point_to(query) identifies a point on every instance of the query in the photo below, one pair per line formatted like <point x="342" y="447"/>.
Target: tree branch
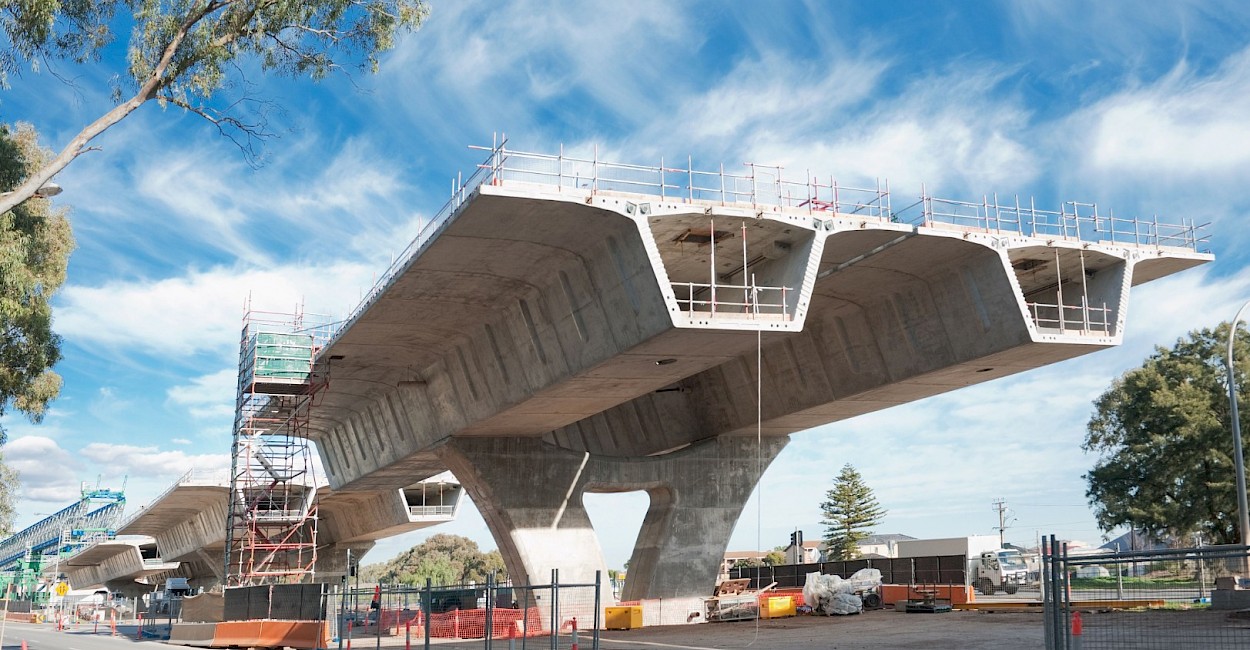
<point x="147" y="91"/>
<point x="229" y="125"/>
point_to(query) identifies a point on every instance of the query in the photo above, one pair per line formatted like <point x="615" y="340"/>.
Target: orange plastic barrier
<point x="306" y="635"/>
<point x="957" y="594"/>
<point x="237" y="633"/>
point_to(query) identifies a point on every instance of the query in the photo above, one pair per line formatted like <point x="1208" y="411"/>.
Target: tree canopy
<point x="445" y="559"/>
<point x="1162" y="435"/>
<point x="8" y="498"/>
<point x="850" y="512"/>
<point x="35" y="244"/>
<point x="189" y="53"/>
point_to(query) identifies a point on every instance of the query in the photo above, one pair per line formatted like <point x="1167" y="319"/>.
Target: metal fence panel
<point x="528" y="617"/>
<point x="1164" y="598"/>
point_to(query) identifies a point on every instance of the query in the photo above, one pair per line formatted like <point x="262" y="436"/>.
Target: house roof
<point x="745" y="555"/>
<point x="884" y="538"/>
<point x="1134" y="540"/>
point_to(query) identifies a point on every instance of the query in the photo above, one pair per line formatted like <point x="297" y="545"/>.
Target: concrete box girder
<point x="583" y="318"/>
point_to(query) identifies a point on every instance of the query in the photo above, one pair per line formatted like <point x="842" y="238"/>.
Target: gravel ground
<point x="873" y="629"/>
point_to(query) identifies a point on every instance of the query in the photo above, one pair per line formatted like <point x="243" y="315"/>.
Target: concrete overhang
<point x="545" y="309"/>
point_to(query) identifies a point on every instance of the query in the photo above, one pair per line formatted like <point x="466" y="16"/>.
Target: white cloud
<point x="956" y="132"/>
<point x="198" y="186"/>
<point x="150" y="461"/>
<point x="180" y="441"/>
<point x="207" y="397"/>
<point x="615" y="54"/>
<point x="48" y="473"/>
<point x="1181" y="127"/>
<point x="201" y="311"/>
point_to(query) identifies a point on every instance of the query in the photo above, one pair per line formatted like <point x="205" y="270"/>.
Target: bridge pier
<point x="530" y="494"/>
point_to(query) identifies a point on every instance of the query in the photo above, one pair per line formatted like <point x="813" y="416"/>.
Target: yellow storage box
<point x="778" y="607"/>
<point x="626" y="618"/>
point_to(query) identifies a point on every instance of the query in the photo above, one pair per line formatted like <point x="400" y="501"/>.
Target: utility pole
<point x="1000" y="505"/>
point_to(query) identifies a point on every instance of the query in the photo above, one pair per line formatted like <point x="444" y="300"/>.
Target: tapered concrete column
<point x="530" y="494"/>
<point x="332" y="559"/>
<point x="696" y="500"/>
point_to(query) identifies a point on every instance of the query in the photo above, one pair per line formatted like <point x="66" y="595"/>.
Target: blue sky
<point x="1139" y="107"/>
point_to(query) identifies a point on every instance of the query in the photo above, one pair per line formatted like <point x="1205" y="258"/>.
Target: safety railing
<point x="765" y="187"/>
<point x="1074" y="220"/>
<point x="1082" y="319"/>
<point x="280" y="515"/>
<point x="207" y="476"/>
<point x="733" y="301"/>
<point x="431" y="511"/>
<point x="761" y="187"/>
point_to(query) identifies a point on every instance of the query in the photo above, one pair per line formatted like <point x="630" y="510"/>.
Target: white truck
<point x="990" y="567"/>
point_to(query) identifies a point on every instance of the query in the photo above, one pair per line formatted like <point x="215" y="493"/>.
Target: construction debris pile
<point x="733" y="600"/>
<point x="833" y="596"/>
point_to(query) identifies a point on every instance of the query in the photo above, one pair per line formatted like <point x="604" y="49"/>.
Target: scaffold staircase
<point x="271" y="535"/>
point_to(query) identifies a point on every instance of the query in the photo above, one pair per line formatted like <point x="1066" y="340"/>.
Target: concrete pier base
<point x="530" y="494"/>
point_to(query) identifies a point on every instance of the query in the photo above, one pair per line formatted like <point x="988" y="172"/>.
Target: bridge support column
<point x="332" y="564"/>
<point x="530" y="494"/>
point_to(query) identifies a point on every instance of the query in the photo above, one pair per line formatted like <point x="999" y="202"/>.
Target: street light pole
<point x="1238" y="459"/>
<point x="45" y="191"/>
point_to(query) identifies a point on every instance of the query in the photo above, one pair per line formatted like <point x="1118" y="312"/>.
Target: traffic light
<point x="796" y="538"/>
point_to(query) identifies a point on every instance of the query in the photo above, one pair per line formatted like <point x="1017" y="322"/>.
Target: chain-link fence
<point x="554" y="616"/>
<point x="1166" y="599"/>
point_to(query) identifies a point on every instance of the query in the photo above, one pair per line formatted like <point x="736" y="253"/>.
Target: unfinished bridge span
<point x="567" y="326"/>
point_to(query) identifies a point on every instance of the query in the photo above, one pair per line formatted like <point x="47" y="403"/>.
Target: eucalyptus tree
<point x="192" y="54"/>
<point x="35" y="244"/>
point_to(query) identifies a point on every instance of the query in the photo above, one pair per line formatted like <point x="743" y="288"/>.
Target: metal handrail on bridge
<point x="431" y="511"/>
<point x="1088" y="319"/>
<point x="750" y="307"/>
<point x="221" y="477"/>
<point x="1074" y="221"/>
<point x="763" y="187"/>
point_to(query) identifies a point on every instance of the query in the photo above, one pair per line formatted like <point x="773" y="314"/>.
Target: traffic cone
<point x="574" y="634"/>
<point x="24" y="645"/>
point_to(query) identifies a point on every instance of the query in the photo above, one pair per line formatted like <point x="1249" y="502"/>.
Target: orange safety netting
<point x="460" y="623"/>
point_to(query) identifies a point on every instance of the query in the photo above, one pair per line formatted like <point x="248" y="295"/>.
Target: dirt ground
<point x="870" y="630"/>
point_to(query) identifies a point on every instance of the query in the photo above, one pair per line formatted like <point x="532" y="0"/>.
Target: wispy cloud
<point x="201" y="312"/>
<point x="1187" y="126"/>
<point x="48" y="473"/>
<point x="207" y="397"/>
<point x="150" y="461"/>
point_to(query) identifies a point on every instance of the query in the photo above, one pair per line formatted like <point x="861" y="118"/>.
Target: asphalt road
<point x="45" y="637"/>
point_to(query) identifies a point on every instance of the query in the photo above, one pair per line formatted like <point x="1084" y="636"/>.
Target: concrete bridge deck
<point x="185" y="528"/>
<point x="566" y="325"/>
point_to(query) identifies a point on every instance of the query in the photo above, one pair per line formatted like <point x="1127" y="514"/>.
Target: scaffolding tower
<point x="271" y="528"/>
